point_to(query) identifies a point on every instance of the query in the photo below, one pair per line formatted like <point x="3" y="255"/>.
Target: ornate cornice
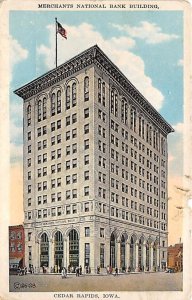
<point x="94" y="55"/>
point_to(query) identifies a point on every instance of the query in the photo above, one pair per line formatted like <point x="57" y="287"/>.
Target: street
<point x="124" y="282"/>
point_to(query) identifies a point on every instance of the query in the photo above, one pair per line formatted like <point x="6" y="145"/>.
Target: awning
<point x="14" y="261"/>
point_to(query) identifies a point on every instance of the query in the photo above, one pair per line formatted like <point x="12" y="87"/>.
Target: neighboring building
<point x="95" y="169"/>
<point x="175" y="257"/>
<point x="16" y="247"/>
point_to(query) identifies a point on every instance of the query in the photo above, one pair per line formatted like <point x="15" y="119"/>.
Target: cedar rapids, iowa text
<point x="98" y="6"/>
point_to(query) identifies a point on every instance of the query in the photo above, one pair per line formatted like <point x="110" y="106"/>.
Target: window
<point x="59" y="196"/>
<point x="59" y="139"/>
<point x="29" y="175"/>
<point x="44" y="144"/>
<point x="74" y="133"/>
<point x="68" y="194"/>
<point x="53" y="104"/>
<point x="74" y="163"/>
<point x="59" y="211"/>
<point x="87" y="231"/>
<point x="59" y="167"/>
<point x="86" y="175"/>
<point x="29" y="236"/>
<point x="44" y="108"/>
<point x="86" y="159"/>
<point x="59" y="101"/>
<point x="44" y="157"/>
<point x="53" y="169"/>
<point x="45" y="213"/>
<point x="39" y="131"/>
<point x="58" y="182"/>
<point x="29" y="201"/>
<point x="74" y="94"/>
<point x="74" y="148"/>
<point x="87" y="255"/>
<point x="53" y="183"/>
<point x="53" y="211"/>
<point x="29" y="215"/>
<point x="74" y="193"/>
<point x="29" y="135"/>
<point x="74" y="178"/>
<point x="67" y="121"/>
<point x="86" y="206"/>
<point x="58" y="124"/>
<point x="86" y="128"/>
<point x="74" y="208"/>
<point x="86" y="191"/>
<point x="58" y="153"/>
<point x="102" y="232"/>
<point x="44" y="129"/>
<point x="74" y="118"/>
<point x="52" y="140"/>
<point x="67" y="164"/>
<point x="86" y="144"/>
<point x="68" y="209"/>
<point x="29" y="115"/>
<point x="67" y="135"/>
<point x="86" y="89"/>
<point x="39" y="111"/>
<point x="53" y="126"/>
<point x="67" y="102"/>
<point x="29" y="189"/>
<point x="52" y="197"/>
<point x="44" y="199"/>
<point x="102" y="255"/>
<point x="67" y="150"/>
<point x="44" y="185"/>
<point x="86" y="113"/>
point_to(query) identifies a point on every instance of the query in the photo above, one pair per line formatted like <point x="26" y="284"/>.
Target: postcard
<point x="95" y="149"/>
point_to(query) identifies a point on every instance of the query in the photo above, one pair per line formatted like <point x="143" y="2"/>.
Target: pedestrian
<point x="108" y="270"/>
<point x="80" y="270"/>
<point x="64" y="273"/>
<point x="25" y="270"/>
<point x="77" y="271"/>
<point x="116" y="271"/>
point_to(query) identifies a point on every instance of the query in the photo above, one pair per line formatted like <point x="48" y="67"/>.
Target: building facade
<point x="95" y="169"/>
<point x="16" y="247"/>
<point x="175" y="257"/>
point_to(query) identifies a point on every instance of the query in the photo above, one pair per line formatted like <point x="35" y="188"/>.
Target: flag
<point x="61" y="30"/>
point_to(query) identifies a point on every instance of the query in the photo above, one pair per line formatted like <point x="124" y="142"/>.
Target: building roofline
<point x="90" y="56"/>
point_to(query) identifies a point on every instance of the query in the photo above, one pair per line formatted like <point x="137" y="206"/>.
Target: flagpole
<point x="56" y="42"/>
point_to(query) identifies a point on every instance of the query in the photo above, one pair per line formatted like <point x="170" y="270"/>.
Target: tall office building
<point x="95" y="169"/>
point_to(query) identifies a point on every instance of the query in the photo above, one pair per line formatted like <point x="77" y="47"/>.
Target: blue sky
<point x="146" y="46"/>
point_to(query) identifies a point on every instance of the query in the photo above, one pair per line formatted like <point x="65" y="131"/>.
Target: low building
<point x="16" y="247"/>
<point x="175" y="257"/>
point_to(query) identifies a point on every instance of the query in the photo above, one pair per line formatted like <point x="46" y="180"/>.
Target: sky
<point x="146" y="46"/>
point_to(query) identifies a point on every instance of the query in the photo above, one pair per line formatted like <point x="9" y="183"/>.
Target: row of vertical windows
<point x="70" y="101"/>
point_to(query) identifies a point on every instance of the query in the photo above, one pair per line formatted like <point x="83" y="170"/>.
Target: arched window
<point x="140" y="126"/>
<point x="67" y="101"/>
<point x="112" y="102"/>
<point x="116" y="105"/>
<point x="73" y="248"/>
<point x="126" y="112"/>
<point x="53" y="104"/>
<point x="133" y="119"/>
<point x="103" y="93"/>
<point x="44" y="108"/>
<point x="44" y="250"/>
<point x="140" y="262"/>
<point x="74" y="94"/>
<point x="58" y="249"/>
<point x="86" y="89"/>
<point x="39" y="111"/>
<point x="147" y="256"/>
<point x="99" y="90"/>
<point x="59" y="101"/>
<point x="123" y="111"/>
<point x="112" y="251"/>
<point x="143" y="128"/>
<point x="150" y="135"/>
<point x="29" y="115"/>
<point x="122" y="253"/>
<point x="132" y="254"/>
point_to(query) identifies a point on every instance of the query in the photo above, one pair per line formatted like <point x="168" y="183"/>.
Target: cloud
<point x="17" y="53"/>
<point x="151" y="33"/>
<point x="117" y="48"/>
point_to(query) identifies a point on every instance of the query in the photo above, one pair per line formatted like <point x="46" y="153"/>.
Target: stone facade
<point x="16" y="247"/>
<point x="95" y="169"/>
